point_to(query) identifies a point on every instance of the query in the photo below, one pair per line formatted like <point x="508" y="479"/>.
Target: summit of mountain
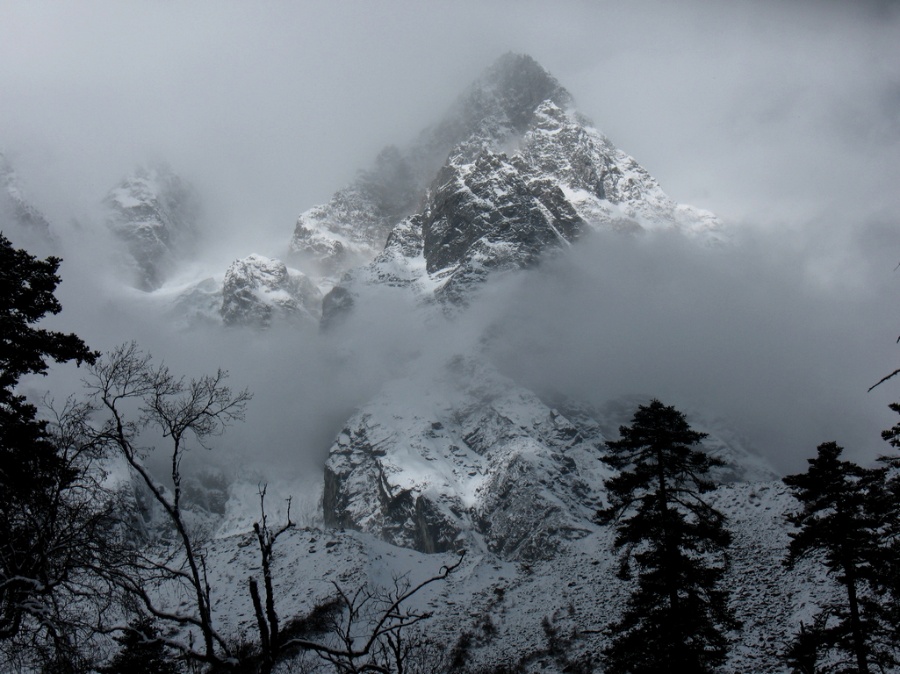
<point x="354" y="225"/>
<point x="511" y="173"/>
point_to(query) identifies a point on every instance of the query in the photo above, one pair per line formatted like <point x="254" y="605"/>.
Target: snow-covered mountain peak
<point x="352" y="228"/>
<point x="258" y="290"/>
<point x="488" y="211"/>
<point x="499" y="104"/>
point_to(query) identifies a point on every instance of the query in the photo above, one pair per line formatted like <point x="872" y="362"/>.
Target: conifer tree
<point x="844" y="522"/>
<point x="677" y="616"/>
<point x="142" y="652"/>
<point x="43" y="535"/>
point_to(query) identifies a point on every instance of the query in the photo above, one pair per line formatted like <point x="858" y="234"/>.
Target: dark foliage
<point x="846" y="516"/>
<point x="142" y="652"/>
<point x="48" y="524"/>
<point x="677" y="616"/>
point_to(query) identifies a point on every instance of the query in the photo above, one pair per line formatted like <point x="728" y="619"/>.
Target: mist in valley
<point x="784" y="121"/>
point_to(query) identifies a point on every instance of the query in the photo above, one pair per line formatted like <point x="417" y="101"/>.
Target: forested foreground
<point x="86" y="587"/>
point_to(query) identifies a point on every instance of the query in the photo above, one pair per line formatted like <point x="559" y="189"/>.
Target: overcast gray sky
<point x="783" y="118"/>
<point x="751" y="109"/>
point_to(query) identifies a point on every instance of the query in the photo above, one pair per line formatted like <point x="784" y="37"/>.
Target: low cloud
<point x="780" y="335"/>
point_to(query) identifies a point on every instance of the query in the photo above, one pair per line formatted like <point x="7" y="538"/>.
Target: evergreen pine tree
<point x="677" y="616"/>
<point x="142" y="652"/>
<point x="32" y="472"/>
<point x="844" y="522"/>
<point x="890" y="511"/>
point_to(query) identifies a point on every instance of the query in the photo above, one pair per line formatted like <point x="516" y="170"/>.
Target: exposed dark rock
<point x="495" y="463"/>
<point x="336" y="304"/>
<point x="355" y="224"/>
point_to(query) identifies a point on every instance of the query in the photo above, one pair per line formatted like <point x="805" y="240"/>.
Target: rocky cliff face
<point x="19" y="218"/>
<point x="531" y="176"/>
<point x="154" y="213"/>
<point x="353" y="227"/>
<point x="468" y="453"/>
<point x="259" y="290"/>
<point x="467" y="458"/>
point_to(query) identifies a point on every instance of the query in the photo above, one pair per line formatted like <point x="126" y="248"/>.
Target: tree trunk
<point x="859" y="646"/>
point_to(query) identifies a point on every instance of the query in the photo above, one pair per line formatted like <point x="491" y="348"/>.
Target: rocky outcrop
<point x="353" y="227"/>
<point x="19" y="218"/>
<point x="489" y="210"/>
<point x="258" y="291"/>
<point x="154" y="213"/>
<point x="473" y="455"/>
<point x="466" y="457"/>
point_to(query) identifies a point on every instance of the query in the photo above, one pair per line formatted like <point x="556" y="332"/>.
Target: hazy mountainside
<point x="258" y="290"/>
<point x="510" y="173"/>
<point x="532" y="177"/>
<point x="154" y="213"/>
<point x="467" y="458"/>
<point x="21" y="219"/>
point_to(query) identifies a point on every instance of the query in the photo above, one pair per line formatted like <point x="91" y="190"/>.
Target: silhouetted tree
<point x="267" y="621"/>
<point x="677" y="616"/>
<point x="183" y="413"/>
<point x="842" y="523"/>
<point x="141" y="652"/>
<point x="373" y="631"/>
<point x="51" y="520"/>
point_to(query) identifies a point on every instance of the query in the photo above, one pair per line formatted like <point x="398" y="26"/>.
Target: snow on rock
<point x="523" y="571"/>
<point x="467" y="453"/>
<point x="259" y="290"/>
<point x="352" y="228"/>
<point x="525" y="176"/>
<point x="21" y="220"/>
<point x="154" y="213"/>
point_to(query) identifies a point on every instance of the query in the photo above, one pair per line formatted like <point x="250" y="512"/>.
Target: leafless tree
<point x="131" y="395"/>
<point x="185" y="413"/>
<point x="270" y="640"/>
<point x="378" y="618"/>
<point x="52" y="591"/>
<point x="374" y="631"/>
